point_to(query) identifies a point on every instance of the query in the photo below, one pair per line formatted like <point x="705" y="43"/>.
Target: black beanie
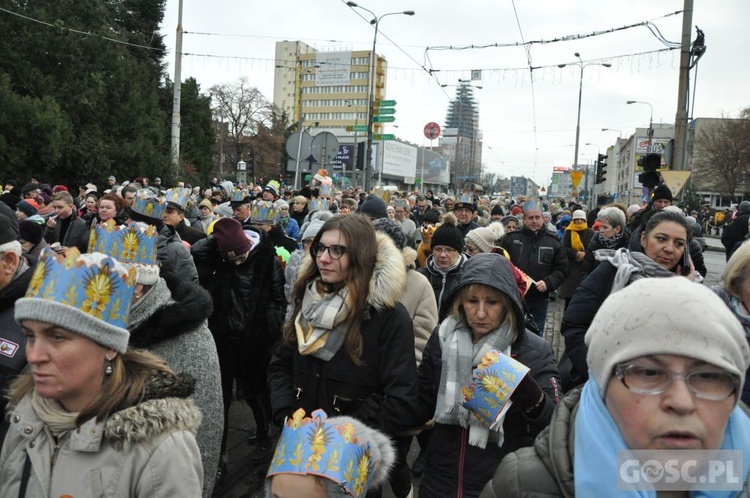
<point x="392" y="229"/>
<point x="431" y="216"/>
<point x="662" y="192"/>
<point x="497" y="210"/>
<point x="30" y="231"/>
<point x="374" y="207"/>
<point x="448" y="235"/>
<point x="6" y="231"/>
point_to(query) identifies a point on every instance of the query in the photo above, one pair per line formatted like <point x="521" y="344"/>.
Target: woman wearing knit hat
<point x="286" y="222"/>
<point x="92" y="414"/>
<point x="482" y="239"/>
<point x="667" y="360"/>
<point x="26" y="209"/>
<point x="446" y="260"/>
<point x="665" y="244"/>
<point x="510" y="223"/>
<point x="575" y="242"/>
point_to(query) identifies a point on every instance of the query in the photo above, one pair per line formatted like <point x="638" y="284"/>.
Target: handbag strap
<point x="25" y="477"/>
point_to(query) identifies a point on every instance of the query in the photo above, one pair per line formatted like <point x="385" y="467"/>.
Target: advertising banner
<point x="334" y="68"/>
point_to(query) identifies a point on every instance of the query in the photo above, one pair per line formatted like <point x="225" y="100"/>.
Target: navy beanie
<point x="374" y="207"/>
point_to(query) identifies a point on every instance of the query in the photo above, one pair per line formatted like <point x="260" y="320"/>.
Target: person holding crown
<point x="91" y="415"/>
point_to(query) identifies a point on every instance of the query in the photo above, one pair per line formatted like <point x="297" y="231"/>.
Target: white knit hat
<point x="671" y="316"/>
<point x="484" y="237"/>
<point x="579" y="214"/>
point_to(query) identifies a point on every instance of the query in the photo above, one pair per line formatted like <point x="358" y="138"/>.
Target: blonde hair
<point x="735" y="270"/>
<point x="509" y="315"/>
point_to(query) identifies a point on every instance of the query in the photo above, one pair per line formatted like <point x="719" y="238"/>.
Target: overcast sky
<point x="527" y="127"/>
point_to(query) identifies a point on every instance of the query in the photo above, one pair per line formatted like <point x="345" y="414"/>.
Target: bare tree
<point x="245" y="111"/>
<point x="722" y="155"/>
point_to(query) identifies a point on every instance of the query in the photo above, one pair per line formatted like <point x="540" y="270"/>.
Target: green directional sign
<point x="357" y="128"/>
<point x="384" y="103"/>
<point x="383" y="119"/>
<point x="380" y="111"/>
<point x="386" y="136"/>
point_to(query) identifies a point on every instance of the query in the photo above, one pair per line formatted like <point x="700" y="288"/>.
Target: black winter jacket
<point x="76" y="236"/>
<point x="174" y="257"/>
<point x="735" y="232"/>
<point x="442" y="284"/>
<point x="541" y="256"/>
<point x="189" y="234"/>
<point x="590" y="262"/>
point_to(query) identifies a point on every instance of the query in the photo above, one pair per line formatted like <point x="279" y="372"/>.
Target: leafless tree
<point x="722" y="155"/>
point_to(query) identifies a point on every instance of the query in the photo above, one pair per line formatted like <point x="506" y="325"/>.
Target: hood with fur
<point x="388" y="279"/>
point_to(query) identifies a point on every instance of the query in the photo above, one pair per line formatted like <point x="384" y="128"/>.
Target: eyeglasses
<point x="445" y="250"/>
<point x="714" y="385"/>
<point x="472" y="248"/>
<point x="335" y="251"/>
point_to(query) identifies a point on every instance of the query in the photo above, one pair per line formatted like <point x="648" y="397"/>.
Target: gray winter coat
<point x="145" y="450"/>
<point x="171" y="322"/>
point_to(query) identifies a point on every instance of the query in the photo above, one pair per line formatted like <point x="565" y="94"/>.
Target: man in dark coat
<point x="246" y="283"/>
<point x="67" y="228"/>
<point x="737" y="230"/>
<point x="539" y="254"/>
<point x="464" y="211"/>
<point x="174" y="216"/>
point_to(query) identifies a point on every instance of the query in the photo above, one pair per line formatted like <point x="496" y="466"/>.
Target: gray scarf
<point x="631" y="266"/>
<point x="459" y="358"/>
<point x="51" y="413"/>
<point x="320" y="322"/>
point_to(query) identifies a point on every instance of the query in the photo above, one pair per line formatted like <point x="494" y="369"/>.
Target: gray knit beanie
<point x="671" y="316"/>
<point x="88" y="294"/>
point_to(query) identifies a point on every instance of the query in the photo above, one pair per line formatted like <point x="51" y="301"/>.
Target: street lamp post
<point x="583" y="66"/>
<point x="619" y="132"/>
<point x="371" y="104"/>
<point x="650" y="119"/>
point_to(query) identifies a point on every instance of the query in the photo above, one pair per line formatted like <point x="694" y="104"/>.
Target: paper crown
<point x="264" y="212"/>
<point x="315" y="446"/>
<point x="240" y="197"/>
<point x="325" y="189"/>
<point x="401" y="203"/>
<point x="147" y="204"/>
<point x="94" y="284"/>
<point x="487" y="397"/>
<point x="274" y="187"/>
<point x="178" y="197"/>
<point x="319" y="205"/>
<point x="383" y="194"/>
<point x="132" y="246"/>
<point x="531" y="206"/>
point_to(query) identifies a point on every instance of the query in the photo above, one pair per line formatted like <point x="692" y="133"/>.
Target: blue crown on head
<point x="240" y="196"/>
<point x="178" y="197"/>
<point x="147" y="204"/>
<point x="487" y="397"/>
<point x="315" y="446"/>
<point x="319" y="205"/>
<point x="96" y="285"/>
<point x="401" y="203"/>
<point x="130" y="245"/>
<point x="325" y="190"/>
<point x="264" y="212"/>
<point x="531" y="206"/>
<point x="466" y="199"/>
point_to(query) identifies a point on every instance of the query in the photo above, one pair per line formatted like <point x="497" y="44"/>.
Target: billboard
<point x="334" y="68"/>
<point x="436" y="168"/>
<point x="399" y="159"/>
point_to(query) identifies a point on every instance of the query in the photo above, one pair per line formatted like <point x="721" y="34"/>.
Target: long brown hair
<point x="362" y="252"/>
<point x="125" y="387"/>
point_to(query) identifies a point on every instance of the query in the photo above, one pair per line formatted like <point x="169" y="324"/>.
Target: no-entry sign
<point x="432" y="130"/>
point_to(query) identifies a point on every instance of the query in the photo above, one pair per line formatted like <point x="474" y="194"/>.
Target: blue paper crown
<point x="401" y="203"/>
<point x="147" y="204"/>
<point x="319" y="205"/>
<point x="264" y="212"/>
<point x="325" y="190"/>
<point x="178" y="197"/>
<point x="531" y="206"/>
<point x="240" y="197"/>
<point x="487" y="397"/>
<point x="466" y="199"/>
<point x="126" y="244"/>
<point x="97" y="286"/>
<point x="315" y="446"/>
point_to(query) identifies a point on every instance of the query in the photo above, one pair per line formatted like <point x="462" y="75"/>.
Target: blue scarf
<point x="597" y="441"/>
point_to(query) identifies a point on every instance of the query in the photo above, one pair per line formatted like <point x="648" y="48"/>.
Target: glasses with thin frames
<point x="714" y="385"/>
<point x="335" y="251"/>
<point x="445" y="250"/>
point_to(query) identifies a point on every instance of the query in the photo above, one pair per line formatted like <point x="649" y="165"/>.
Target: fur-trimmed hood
<point x="388" y="279"/>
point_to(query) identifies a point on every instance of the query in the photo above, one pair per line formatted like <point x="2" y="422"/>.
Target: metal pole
<point x="578" y="120"/>
<point x="367" y="163"/>
<point x="680" y="120"/>
<point x="298" y="115"/>
<point x="175" y="139"/>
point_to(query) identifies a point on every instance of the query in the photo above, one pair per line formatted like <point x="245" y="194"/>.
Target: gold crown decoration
<point x="317" y="446"/>
<point x="178" y="197"/>
<point x="401" y="203"/>
<point x="147" y="204"/>
<point x="319" y="205"/>
<point x="240" y="196"/>
<point x="132" y="246"/>
<point x="264" y="212"/>
<point x="383" y="194"/>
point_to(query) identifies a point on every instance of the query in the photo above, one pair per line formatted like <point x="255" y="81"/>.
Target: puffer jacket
<point x="387" y="368"/>
<point x="544" y="470"/>
<point x="442" y="283"/>
<point x="170" y="320"/>
<point x="173" y="256"/>
<point x="419" y="300"/>
<point x="726" y="297"/>
<point x="453" y="467"/>
<point x="148" y="449"/>
<point x="541" y="256"/>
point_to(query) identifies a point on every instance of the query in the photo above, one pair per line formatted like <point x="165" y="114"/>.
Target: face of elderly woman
<point x="676" y="418"/>
<point x="607" y="231"/>
<point x="65" y="366"/>
<point x="665" y="244"/>
<point x="484" y="309"/>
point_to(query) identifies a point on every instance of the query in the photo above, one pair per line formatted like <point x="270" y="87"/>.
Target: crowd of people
<point x="354" y="325"/>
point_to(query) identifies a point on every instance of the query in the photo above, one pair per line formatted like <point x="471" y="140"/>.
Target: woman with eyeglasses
<point x="349" y="348"/>
<point x="667" y="361"/>
<point x="445" y="262"/>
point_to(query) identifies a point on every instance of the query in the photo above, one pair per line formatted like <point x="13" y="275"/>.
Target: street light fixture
<point x="619" y="132"/>
<point x="650" y="119"/>
<point x="375" y="21"/>
<point x="583" y="66"/>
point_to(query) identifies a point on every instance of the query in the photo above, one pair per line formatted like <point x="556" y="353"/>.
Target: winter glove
<point x="529" y="396"/>
<point x="369" y="409"/>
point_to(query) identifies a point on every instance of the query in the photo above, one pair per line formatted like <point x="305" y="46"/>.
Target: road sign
<point x="324" y="147"/>
<point x="383" y="110"/>
<point x="384" y="103"/>
<point x="432" y="130"/>
<point x="293" y="145"/>
<point x="575" y="177"/>
<point x="357" y="128"/>
<point x="385" y="136"/>
<point x="383" y="119"/>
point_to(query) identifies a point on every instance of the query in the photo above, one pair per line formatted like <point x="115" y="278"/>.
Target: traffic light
<point x="650" y="163"/>
<point x="361" y="155"/>
<point x="601" y="169"/>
